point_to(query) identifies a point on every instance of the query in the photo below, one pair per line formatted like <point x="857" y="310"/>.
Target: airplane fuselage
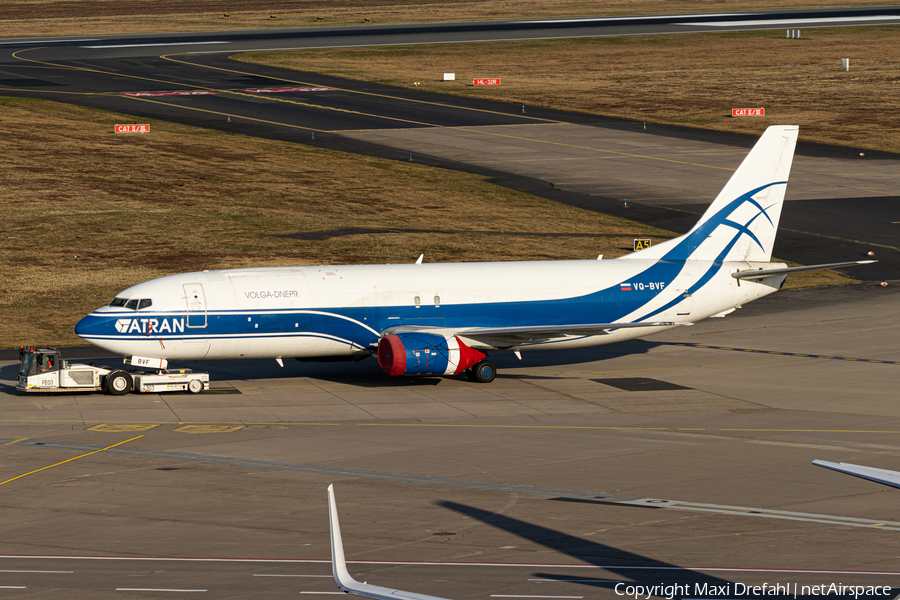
<point x="343" y="311"/>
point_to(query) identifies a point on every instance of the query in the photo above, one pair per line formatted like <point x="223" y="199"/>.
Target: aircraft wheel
<point x="482" y="372"/>
<point x="118" y="383"/>
<point x="195" y="386"/>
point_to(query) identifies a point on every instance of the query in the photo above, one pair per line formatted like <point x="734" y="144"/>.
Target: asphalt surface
<point x="683" y="458"/>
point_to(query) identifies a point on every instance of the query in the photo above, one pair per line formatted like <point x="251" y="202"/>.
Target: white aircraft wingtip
<point x="342" y="577"/>
<point x="338" y="563"/>
<point x="883" y="476"/>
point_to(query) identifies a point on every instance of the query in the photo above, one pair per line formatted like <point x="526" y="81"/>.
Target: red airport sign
<point x="190" y="93"/>
<point x="295" y="89"/>
<point x="485" y="82"/>
<point x="133" y="128"/>
<point x="748" y="112"/>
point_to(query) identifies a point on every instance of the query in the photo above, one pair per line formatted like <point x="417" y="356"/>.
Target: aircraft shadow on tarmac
<point x="634" y="569"/>
<point x="366" y="372"/>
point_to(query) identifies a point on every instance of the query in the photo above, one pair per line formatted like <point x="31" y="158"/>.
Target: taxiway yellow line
<point x="840" y="239"/>
<point x="218" y="91"/>
<point x="66" y="461"/>
<point x="15" y="441"/>
<point x="455" y="426"/>
<point x="629" y="154"/>
<point x="215" y="112"/>
<point x="612" y="428"/>
<point x="657" y="158"/>
<point x="361" y="93"/>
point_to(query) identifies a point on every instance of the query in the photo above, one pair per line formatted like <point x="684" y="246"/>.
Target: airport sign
<point x="748" y="112"/>
<point x="145" y="128"/>
<point x="485" y="82"/>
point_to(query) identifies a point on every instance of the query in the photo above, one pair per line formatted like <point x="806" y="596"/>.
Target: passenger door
<point x="195" y="330"/>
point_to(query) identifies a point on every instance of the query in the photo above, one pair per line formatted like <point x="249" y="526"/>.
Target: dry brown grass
<point x="96" y="17"/>
<point x="88" y="213"/>
<point x="690" y="79"/>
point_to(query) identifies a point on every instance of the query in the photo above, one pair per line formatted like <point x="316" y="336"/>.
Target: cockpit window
<point x="132" y="304"/>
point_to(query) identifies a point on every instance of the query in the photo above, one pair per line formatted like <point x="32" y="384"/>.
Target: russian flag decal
<point x="626" y="287"/>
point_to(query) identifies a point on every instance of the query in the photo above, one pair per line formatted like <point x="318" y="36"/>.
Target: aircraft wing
<point x="761" y="274"/>
<point x="500" y="337"/>
<point x="342" y="577"/>
<point x="891" y="478"/>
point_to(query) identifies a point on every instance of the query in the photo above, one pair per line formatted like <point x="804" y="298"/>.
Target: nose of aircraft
<point x="89" y="326"/>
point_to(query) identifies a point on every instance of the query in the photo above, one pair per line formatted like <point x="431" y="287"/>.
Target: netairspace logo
<point x="733" y="590"/>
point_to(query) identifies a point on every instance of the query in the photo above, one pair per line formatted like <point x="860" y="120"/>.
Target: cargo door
<point x="684" y="283"/>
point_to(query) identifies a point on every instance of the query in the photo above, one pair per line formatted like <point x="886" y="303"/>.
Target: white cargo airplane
<point x="442" y="319"/>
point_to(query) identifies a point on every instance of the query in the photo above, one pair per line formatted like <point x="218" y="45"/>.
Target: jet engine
<point x="414" y="353"/>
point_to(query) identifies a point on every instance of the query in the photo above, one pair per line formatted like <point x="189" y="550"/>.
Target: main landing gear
<point x="482" y="372"/>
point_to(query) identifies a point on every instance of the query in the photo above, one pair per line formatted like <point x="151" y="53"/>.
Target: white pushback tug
<point x="41" y="370"/>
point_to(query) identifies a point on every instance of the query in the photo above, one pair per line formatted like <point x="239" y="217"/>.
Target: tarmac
<point x="682" y="458"/>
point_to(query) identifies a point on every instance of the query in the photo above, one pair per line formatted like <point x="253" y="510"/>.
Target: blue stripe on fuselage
<point x="357" y="323"/>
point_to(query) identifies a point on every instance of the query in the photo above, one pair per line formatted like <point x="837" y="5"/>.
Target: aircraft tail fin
<point x="741" y="223"/>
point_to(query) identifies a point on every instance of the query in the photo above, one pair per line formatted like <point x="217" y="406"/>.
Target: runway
<point x="680" y="459"/>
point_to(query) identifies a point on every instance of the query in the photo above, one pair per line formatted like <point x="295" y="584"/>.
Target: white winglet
<point x="342" y="577"/>
<point x="891" y="478"/>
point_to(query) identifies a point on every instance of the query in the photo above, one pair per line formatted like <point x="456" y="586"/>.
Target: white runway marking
<point x="161" y="44"/>
<point x="155" y="590"/>
<point x="575" y="580"/>
<point x="54" y="41"/>
<point x="807" y="21"/>
<point x="522" y="596"/>
<point x="276" y="575"/>
<point x="616" y="19"/>
<point x="327" y="561"/>
<point x="12" y="587"/>
<point x="21" y="571"/>
<point x="327" y="593"/>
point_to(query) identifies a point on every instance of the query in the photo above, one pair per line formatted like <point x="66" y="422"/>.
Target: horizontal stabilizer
<point x="342" y="577"/>
<point x="891" y="478"/>
<point x="763" y="273"/>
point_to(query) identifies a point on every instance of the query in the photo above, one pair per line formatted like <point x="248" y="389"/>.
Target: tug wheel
<point x="118" y="383"/>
